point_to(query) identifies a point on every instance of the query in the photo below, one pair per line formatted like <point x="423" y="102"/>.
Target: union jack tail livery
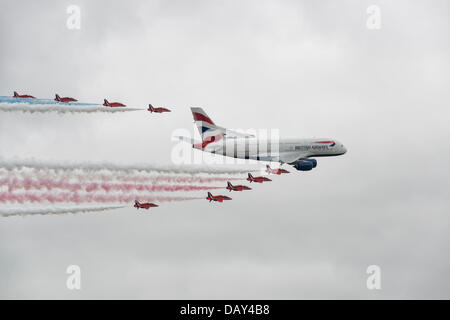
<point x="208" y="130"/>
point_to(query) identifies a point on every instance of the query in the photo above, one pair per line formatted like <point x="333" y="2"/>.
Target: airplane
<point x="275" y="171"/>
<point x="157" y="110"/>
<point x="145" y="205"/>
<point x="106" y="103"/>
<point x="237" y="187"/>
<point x="257" y="179"/>
<point x="64" y="99"/>
<point x="299" y="153"/>
<point x="210" y="197"/>
<point x="16" y="95"/>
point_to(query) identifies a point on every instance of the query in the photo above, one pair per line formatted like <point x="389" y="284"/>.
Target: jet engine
<point x="313" y="161"/>
<point x="304" y="165"/>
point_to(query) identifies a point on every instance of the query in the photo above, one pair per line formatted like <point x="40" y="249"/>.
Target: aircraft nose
<point x="344" y="149"/>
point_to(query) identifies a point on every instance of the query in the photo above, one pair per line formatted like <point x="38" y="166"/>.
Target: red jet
<point x="275" y="171"/>
<point x="64" y="99"/>
<point x="146" y="205"/>
<point x="157" y="110"/>
<point x="257" y="179"/>
<point x="113" y="104"/>
<point x="16" y="95"/>
<point x="210" y="197"/>
<point x="237" y="188"/>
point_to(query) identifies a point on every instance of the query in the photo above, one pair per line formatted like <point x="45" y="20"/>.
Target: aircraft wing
<point x="293" y="156"/>
<point x="285" y="157"/>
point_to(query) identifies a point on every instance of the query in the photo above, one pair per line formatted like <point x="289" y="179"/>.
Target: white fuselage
<point x="277" y="151"/>
<point x="270" y="150"/>
<point x="230" y="143"/>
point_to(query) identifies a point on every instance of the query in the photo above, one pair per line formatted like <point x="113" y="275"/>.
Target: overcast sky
<point x="307" y="68"/>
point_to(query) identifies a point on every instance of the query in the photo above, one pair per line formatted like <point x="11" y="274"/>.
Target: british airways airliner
<point x="299" y="153"/>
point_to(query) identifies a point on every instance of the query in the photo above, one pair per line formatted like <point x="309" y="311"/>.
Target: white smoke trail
<point x="99" y="166"/>
<point x="45" y="108"/>
<point x="79" y="198"/>
<point x="7" y="212"/>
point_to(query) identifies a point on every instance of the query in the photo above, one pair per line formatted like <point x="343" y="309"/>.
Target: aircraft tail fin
<point x="150" y="107"/>
<point x="211" y="132"/>
<point x="206" y="127"/>
<point x="105" y="102"/>
<point x="16" y="94"/>
<point x="57" y="98"/>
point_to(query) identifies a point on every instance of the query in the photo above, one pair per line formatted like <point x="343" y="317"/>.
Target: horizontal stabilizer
<point x="188" y="140"/>
<point x="234" y="134"/>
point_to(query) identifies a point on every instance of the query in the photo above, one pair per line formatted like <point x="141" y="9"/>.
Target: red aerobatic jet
<point x="64" y="99"/>
<point x="145" y="205"/>
<point x="16" y="95"/>
<point x="237" y="187"/>
<point x="210" y="197"/>
<point x="257" y="179"/>
<point x="112" y="104"/>
<point x="275" y="171"/>
<point x="157" y="110"/>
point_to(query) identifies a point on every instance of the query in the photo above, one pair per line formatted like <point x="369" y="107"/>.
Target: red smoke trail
<point x="28" y="183"/>
<point x="129" y="187"/>
<point x="75" y="197"/>
<point x="123" y="177"/>
<point x="49" y="184"/>
<point x="193" y="179"/>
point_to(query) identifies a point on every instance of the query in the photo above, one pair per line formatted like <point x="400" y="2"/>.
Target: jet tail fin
<point x="15" y="94"/>
<point x="207" y="128"/>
